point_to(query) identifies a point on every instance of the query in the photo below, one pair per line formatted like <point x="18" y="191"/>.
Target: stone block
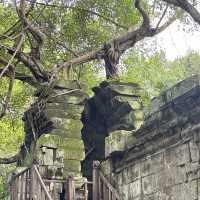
<point x="76" y="97"/>
<point x="134" y="171"/>
<point x="135" y="189"/>
<point x="194" y="189"/>
<point x="134" y="102"/>
<point x="72" y="166"/>
<point x="47" y="141"/>
<point x="125" y="88"/>
<point x="74" y="154"/>
<point x="178" y="155"/>
<point x="124" y="192"/>
<point x="194" y="151"/>
<point x="183" y="87"/>
<point x="118" y="141"/>
<point x="70" y="108"/>
<point x="106" y="167"/>
<point x="171" y="176"/>
<point x="58" y="113"/>
<point x="149" y="184"/>
<point x="48" y="157"/>
<point x="67" y="124"/>
<point x="72" y="144"/>
<point x="198" y="186"/>
<point x="171" y="94"/>
<point x="62" y="133"/>
<point x="152" y="164"/>
<point x="181" y="192"/>
<point x="119" y="178"/>
<point x="154" y="106"/>
<point x="153" y="196"/>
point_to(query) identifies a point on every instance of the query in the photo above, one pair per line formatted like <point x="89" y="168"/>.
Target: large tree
<point x="44" y="38"/>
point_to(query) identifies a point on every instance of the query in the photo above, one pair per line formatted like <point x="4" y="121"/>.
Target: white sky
<point x="176" y="42"/>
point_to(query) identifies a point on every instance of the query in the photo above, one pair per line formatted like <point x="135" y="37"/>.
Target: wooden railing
<point x="102" y="188"/>
<point x="38" y="190"/>
<point x="28" y="184"/>
<point x="20" y="185"/>
<point x="71" y="193"/>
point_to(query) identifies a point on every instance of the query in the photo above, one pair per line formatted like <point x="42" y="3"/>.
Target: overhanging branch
<point x="188" y="7"/>
<point x="124" y="42"/>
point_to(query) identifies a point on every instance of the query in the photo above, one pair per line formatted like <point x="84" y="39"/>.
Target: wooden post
<point x="32" y="184"/>
<point x="85" y="191"/>
<point x="70" y="193"/>
<point x="40" y="182"/>
<point x="95" y="177"/>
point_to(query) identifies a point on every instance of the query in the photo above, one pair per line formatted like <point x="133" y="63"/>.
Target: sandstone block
<point x="118" y="141"/>
<point x="72" y="166"/>
<point x="67" y="124"/>
<point x="124" y="88"/>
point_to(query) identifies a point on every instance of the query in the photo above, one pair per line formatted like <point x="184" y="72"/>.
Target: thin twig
<point x="167" y="6"/>
<point x="9" y="93"/>
<point x="14" y="54"/>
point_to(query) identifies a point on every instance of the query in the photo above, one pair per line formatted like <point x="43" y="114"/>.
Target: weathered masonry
<point x="145" y="154"/>
<point x="161" y="161"/>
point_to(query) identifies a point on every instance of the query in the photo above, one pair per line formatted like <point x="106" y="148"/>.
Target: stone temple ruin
<point x="145" y="154"/>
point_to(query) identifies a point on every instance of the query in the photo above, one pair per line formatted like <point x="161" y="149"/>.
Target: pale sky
<point x="176" y="42"/>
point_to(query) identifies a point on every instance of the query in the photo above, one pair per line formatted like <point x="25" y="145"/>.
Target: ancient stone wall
<point x="161" y="160"/>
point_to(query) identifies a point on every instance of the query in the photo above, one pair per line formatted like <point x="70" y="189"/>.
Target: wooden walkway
<point x="29" y="185"/>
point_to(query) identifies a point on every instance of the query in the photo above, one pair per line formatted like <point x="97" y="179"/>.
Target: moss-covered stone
<point x="106" y="167"/>
<point x="72" y="143"/>
<point x="173" y="93"/>
<point x="72" y="166"/>
<point x="76" y="97"/>
<point x="71" y="110"/>
<point x="123" y="88"/>
<point x="118" y="141"/>
<point x="67" y="124"/>
<point x="74" y="154"/>
<point x="66" y="133"/>
<point x="65" y="143"/>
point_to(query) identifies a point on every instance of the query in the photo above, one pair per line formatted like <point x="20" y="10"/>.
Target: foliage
<point x="11" y="128"/>
<point x="155" y="74"/>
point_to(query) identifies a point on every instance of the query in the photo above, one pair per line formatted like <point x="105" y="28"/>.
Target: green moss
<point x="72" y="166"/>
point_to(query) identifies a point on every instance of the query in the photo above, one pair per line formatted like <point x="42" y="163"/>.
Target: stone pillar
<point x="64" y="109"/>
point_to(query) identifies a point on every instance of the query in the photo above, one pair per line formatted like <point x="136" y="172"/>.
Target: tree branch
<point x="19" y="45"/>
<point x="188" y="7"/>
<point x="9" y="93"/>
<point x="28" y="62"/>
<point x="16" y="158"/>
<point x="22" y="77"/>
<point x="160" y="20"/>
<point x="166" y="24"/>
<point x="124" y="41"/>
<point x="19" y="76"/>
<point x="37" y="34"/>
